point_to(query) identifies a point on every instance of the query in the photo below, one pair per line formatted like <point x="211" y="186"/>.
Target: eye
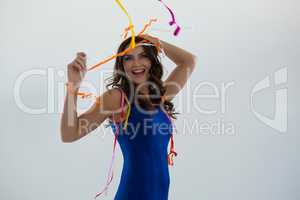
<point x="144" y="56"/>
<point x="126" y="58"/>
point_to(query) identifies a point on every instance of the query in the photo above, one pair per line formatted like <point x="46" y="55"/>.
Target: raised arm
<point x="74" y="127"/>
<point x="185" y="64"/>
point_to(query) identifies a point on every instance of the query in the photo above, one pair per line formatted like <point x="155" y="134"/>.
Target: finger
<point x="147" y="36"/>
<point x="81" y="63"/>
<point x="144" y="36"/>
<point x="81" y="56"/>
<point x="76" y="66"/>
<point x="82" y="60"/>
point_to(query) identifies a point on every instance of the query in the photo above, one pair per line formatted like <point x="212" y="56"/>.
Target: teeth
<point x="138" y="70"/>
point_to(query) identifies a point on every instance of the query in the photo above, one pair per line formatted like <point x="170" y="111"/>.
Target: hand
<point x="153" y="40"/>
<point x="77" y="69"/>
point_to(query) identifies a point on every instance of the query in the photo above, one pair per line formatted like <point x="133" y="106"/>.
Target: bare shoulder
<point x="110" y="100"/>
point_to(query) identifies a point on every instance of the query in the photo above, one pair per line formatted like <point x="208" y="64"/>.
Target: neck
<point x="143" y="90"/>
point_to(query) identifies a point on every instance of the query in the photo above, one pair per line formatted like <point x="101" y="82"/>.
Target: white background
<point x="235" y="41"/>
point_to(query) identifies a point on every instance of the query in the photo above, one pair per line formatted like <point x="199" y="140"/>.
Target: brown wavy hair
<point x="156" y="88"/>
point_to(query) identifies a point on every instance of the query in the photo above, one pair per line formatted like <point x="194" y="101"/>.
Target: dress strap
<point x="121" y="105"/>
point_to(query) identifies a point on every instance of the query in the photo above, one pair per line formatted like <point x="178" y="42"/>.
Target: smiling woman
<point x="136" y="103"/>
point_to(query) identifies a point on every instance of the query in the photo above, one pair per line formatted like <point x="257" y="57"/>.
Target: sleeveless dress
<point x="144" y="144"/>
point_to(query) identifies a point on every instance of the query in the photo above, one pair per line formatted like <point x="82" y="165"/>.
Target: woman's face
<point x="137" y="65"/>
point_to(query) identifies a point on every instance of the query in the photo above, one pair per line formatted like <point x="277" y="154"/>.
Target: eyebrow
<point x="143" y="52"/>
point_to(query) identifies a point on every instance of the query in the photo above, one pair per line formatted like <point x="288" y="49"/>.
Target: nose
<point x="136" y="61"/>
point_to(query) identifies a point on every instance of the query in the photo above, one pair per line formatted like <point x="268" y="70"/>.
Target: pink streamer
<point x="110" y="171"/>
<point x="173" y="21"/>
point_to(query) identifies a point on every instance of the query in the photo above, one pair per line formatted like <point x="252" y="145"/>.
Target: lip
<point x="138" y="68"/>
<point x="138" y="74"/>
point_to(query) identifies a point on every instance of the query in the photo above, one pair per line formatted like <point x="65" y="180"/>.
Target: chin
<point x="137" y="82"/>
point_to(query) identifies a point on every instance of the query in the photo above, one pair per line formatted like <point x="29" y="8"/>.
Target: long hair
<point x="156" y="88"/>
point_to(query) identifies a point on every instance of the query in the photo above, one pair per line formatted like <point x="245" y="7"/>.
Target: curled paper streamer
<point x="147" y="26"/>
<point x="126" y="50"/>
<point x="173" y="20"/>
<point x="110" y="172"/>
<point x="132" y="43"/>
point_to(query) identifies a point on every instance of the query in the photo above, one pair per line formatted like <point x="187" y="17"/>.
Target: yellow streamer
<point x="132" y="43"/>
<point x="125" y="51"/>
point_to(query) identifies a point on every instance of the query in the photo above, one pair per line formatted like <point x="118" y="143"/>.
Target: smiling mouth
<point x="138" y="71"/>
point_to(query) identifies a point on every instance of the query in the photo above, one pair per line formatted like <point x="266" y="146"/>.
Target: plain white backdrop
<point x="228" y="153"/>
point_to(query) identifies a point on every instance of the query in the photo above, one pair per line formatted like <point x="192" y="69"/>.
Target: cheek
<point x="126" y="69"/>
<point x="147" y="64"/>
<point x="149" y="67"/>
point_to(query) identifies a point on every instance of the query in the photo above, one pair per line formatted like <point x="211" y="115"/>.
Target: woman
<point x="137" y="92"/>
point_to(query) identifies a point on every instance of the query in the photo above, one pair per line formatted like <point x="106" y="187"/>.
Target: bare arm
<point x="69" y="119"/>
<point x="185" y="64"/>
<point x="74" y="127"/>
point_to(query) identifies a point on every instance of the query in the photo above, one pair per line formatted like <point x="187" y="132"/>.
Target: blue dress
<point x="144" y="143"/>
